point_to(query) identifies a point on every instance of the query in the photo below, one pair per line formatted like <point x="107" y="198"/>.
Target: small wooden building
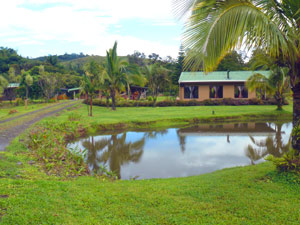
<point x="10" y="92"/>
<point x="220" y="84"/>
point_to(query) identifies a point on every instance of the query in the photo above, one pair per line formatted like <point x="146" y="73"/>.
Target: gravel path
<point x="11" y="133"/>
<point x="30" y="113"/>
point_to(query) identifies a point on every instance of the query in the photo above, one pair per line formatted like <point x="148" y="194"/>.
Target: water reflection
<point x="273" y="145"/>
<point x="185" y="151"/>
<point x="115" y="151"/>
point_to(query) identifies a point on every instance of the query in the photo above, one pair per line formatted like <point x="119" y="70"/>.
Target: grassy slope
<point x="243" y="195"/>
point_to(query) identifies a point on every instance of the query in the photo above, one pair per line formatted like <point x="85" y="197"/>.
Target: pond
<point x="180" y="152"/>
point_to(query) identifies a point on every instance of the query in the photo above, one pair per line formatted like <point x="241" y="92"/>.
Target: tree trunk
<point x="26" y="98"/>
<point x="113" y="99"/>
<point x="279" y="100"/>
<point x="128" y="91"/>
<point x="87" y="102"/>
<point x="296" y="118"/>
<point x="91" y="106"/>
<point x="107" y="101"/>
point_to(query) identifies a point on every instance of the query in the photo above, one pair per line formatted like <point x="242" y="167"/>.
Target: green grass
<point x="170" y="116"/>
<point x="241" y="195"/>
<point x="4" y="112"/>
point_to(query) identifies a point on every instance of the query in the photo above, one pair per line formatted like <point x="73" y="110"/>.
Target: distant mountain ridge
<point x="64" y="57"/>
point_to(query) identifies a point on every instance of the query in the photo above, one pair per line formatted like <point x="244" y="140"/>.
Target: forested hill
<point x="63" y="58"/>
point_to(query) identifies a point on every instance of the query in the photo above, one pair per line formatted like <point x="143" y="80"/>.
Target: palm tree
<point x="91" y="82"/>
<point x="279" y="82"/>
<point x="217" y="27"/>
<point x="259" y="82"/>
<point x="115" y="73"/>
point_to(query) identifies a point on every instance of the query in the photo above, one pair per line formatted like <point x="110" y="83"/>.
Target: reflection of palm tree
<point x="120" y="152"/>
<point x="182" y="141"/>
<point x="154" y="134"/>
<point x="271" y="145"/>
<point x="255" y="154"/>
<point x="115" y="150"/>
<point x="93" y="148"/>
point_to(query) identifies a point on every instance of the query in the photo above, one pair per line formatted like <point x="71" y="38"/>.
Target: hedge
<point x="208" y="102"/>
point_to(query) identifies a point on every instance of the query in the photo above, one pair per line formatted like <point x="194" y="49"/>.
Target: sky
<point x="49" y="27"/>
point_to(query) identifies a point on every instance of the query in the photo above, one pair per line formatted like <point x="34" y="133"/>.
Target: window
<point x="191" y="92"/>
<point x="240" y="91"/>
<point x="216" y="91"/>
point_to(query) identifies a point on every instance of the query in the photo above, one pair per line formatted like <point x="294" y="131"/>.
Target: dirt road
<point x="7" y="135"/>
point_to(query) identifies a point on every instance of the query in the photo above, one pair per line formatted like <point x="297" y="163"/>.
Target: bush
<point x="52" y="101"/>
<point x="19" y="101"/>
<point x="170" y="102"/>
<point x="290" y="162"/>
<point x="150" y="99"/>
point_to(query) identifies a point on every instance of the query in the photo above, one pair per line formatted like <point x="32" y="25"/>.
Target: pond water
<point x="180" y="152"/>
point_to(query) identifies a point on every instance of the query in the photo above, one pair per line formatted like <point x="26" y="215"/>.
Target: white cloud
<point x="83" y="22"/>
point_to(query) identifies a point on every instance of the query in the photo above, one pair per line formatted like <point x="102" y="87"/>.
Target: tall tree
<point x="232" y="61"/>
<point x="157" y="77"/>
<point x="3" y="84"/>
<point x="179" y="65"/>
<point x="217" y="27"/>
<point x="91" y="82"/>
<point x="26" y="82"/>
<point x="116" y="69"/>
<point x="47" y="82"/>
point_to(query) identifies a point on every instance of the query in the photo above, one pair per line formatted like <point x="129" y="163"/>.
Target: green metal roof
<point x="74" y="89"/>
<point x="219" y="76"/>
<point x="13" y="85"/>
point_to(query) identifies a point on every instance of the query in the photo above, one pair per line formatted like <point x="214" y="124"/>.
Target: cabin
<point x="10" y="92"/>
<point x="216" y="85"/>
<point x="71" y="92"/>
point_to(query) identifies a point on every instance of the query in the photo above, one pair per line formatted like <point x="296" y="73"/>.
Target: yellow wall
<point x="203" y="92"/>
<point x="228" y="91"/>
<point x="252" y="94"/>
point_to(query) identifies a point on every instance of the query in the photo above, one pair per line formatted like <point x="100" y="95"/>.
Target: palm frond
<point x="217" y="27"/>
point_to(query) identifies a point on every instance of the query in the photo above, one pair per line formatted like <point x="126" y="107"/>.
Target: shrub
<point x="256" y="101"/>
<point x="171" y="102"/>
<point x="52" y="101"/>
<point x="150" y="99"/>
<point x="290" y="162"/>
<point x="50" y="151"/>
<point x="19" y="101"/>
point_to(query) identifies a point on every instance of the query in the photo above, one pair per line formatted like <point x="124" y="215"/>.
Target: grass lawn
<point x="243" y="195"/>
<point x="168" y="116"/>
